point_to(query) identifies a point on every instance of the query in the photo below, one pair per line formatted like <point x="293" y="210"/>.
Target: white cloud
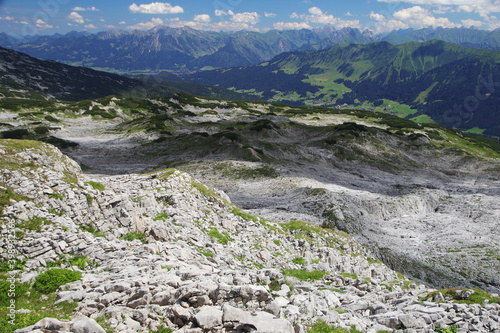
<point x="122" y="22"/>
<point x="269" y="14"/>
<point x="472" y="23"/>
<point x="291" y="25"/>
<point x="7" y="18"/>
<point x="90" y="26"/>
<point x="420" y="17"/>
<point x="76" y="17"/>
<point x="377" y="17"/>
<point x="156" y="8"/>
<point x="41" y="24"/>
<point x="202" y="18"/>
<point x="219" y="12"/>
<point x="316" y="15"/>
<point x="382" y="24"/>
<point x="251" y="18"/>
<point x="348" y="14"/>
<point x="157" y="21"/>
<point x="482" y="7"/>
<point x="315" y="11"/>
<point x="142" y="26"/>
<point x="84" y="9"/>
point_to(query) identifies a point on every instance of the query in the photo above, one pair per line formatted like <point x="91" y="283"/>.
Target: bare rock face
<point x="165" y="250"/>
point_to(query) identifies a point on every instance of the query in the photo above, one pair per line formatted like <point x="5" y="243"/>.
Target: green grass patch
<point x="349" y="275"/>
<point x="6" y="194"/>
<point x="478" y="297"/>
<point x="322" y="327"/>
<point x="223" y="238"/>
<point x="96" y="186"/>
<point x="40" y="304"/>
<point x="161" y="217"/>
<point x="93" y="231"/>
<point x="34" y="224"/>
<point x="206" y="253"/>
<point x="131" y="236"/>
<point x="162" y="329"/>
<point x="52" y="279"/>
<point x="299" y="261"/>
<point x="238" y="212"/>
<point x="304" y="275"/>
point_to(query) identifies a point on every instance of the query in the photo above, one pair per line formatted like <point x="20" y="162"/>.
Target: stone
<point x="52" y="324"/>
<point x="82" y="324"/>
<point x="209" y="317"/>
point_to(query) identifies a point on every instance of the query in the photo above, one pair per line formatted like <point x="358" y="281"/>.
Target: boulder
<point x="84" y="324"/>
<point x="209" y="317"/>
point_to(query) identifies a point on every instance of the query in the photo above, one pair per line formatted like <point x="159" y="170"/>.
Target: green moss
<point x="49" y="281"/>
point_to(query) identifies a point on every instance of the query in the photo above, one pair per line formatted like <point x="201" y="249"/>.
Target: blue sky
<point x="28" y="17"/>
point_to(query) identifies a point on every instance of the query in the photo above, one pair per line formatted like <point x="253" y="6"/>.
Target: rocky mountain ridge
<point x="205" y="265"/>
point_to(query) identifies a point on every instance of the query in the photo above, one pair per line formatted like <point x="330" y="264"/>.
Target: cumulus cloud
<point x="316" y="15"/>
<point x="291" y="25"/>
<point x="74" y="16"/>
<point x="156" y="8"/>
<point x="202" y="18"/>
<point x="84" y="9"/>
<point x="7" y="18"/>
<point x="472" y="23"/>
<point x="482" y="7"/>
<point x="90" y="26"/>
<point x="269" y="14"/>
<point x="250" y="18"/>
<point x="420" y="17"/>
<point x="377" y="17"/>
<point x="145" y="25"/>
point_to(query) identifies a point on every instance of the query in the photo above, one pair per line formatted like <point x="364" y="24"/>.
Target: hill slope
<point x="430" y="77"/>
<point x="26" y="80"/>
<point x="398" y="187"/>
<point x="161" y="252"/>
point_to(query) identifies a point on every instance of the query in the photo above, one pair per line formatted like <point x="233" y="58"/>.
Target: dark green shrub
<point x="19" y="133"/>
<point x="52" y="279"/>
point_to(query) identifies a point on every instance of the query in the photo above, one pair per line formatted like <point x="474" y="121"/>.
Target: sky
<point x="46" y="17"/>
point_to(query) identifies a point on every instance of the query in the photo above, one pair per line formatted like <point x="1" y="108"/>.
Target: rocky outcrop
<point x="204" y="265"/>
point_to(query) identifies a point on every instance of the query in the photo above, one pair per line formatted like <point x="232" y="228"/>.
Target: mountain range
<point x="186" y="49"/>
<point x="451" y="84"/>
<point x="431" y="81"/>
